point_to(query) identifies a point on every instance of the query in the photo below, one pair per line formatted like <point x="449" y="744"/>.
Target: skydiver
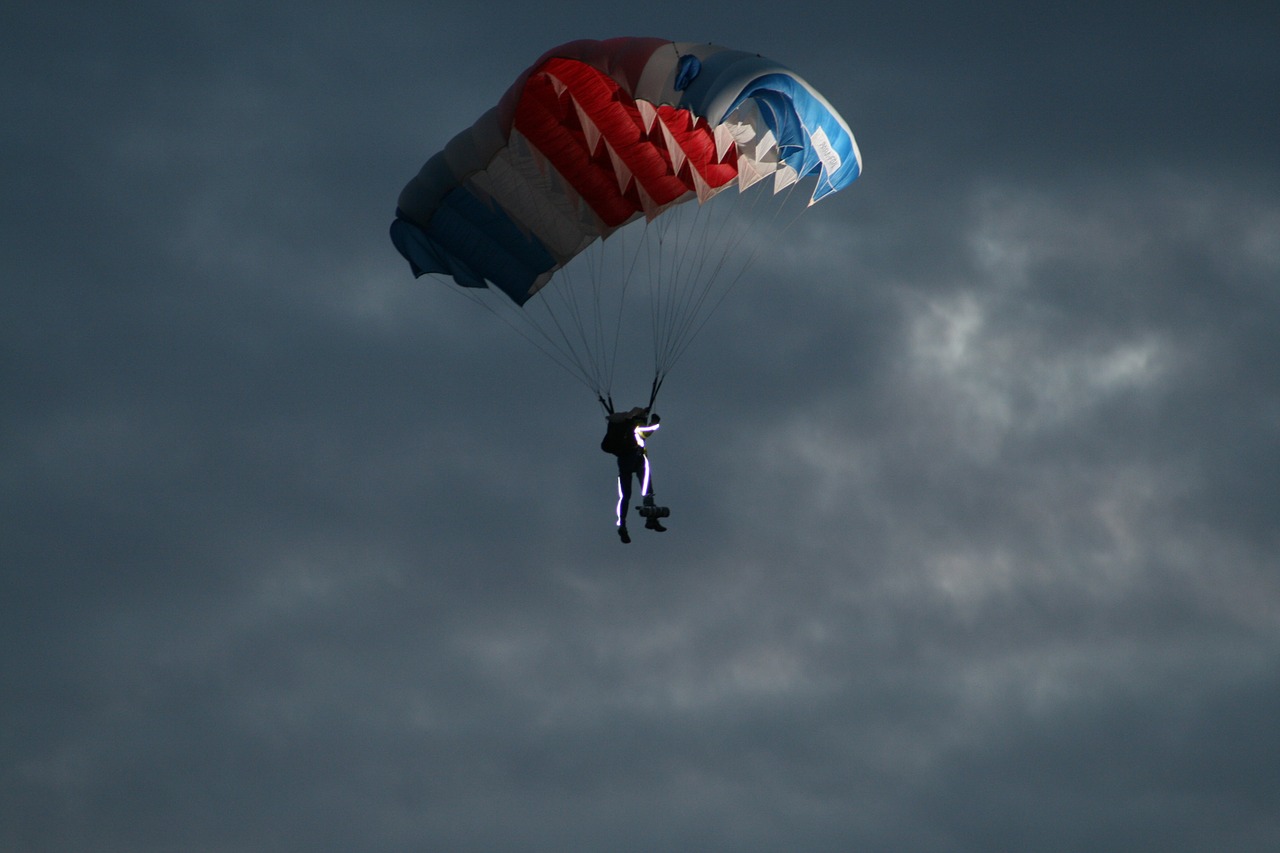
<point x="625" y="439"/>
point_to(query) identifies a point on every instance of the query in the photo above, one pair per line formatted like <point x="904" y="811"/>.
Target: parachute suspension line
<point x="694" y="280"/>
<point x="586" y="305"/>
<point x="653" y="391"/>
<point x="691" y="260"/>
<point x="715" y="228"/>
<point x="741" y="269"/>
<point x="695" y="320"/>
<point x="666" y="259"/>
<point x="546" y="346"/>
<point x="604" y="359"/>
<point x="685" y="273"/>
<point x="576" y="319"/>
<point x="672" y="279"/>
<point x="657" y="274"/>
<point x="576" y="310"/>
<point x="630" y="267"/>
<point x="562" y="301"/>
<point x="593" y="268"/>
<point x="573" y="339"/>
<point x="678" y="278"/>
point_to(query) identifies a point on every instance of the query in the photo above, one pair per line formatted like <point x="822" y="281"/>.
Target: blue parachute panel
<point x="475" y="243"/>
<point x="812" y="137"/>
<point x="808" y="126"/>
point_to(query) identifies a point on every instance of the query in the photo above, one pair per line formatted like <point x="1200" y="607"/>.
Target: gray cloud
<point x="973" y="480"/>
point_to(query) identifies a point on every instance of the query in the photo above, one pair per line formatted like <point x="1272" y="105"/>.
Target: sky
<point x="974" y="479"/>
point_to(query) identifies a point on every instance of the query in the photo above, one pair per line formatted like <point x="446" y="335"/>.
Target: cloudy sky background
<point x="974" y="487"/>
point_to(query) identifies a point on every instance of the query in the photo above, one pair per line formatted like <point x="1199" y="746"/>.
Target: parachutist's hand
<point x="655" y="420"/>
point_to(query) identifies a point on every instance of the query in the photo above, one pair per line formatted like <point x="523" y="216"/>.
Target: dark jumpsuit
<point x="633" y="463"/>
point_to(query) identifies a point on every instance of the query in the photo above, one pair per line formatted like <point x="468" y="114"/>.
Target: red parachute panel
<point x="595" y="136"/>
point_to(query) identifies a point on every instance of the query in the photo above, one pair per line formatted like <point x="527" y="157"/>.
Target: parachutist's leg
<point x="624" y="495"/>
<point x="646" y="492"/>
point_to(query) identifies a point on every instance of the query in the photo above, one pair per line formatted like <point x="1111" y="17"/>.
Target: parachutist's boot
<point x="624" y="535"/>
<point x="654" y="524"/>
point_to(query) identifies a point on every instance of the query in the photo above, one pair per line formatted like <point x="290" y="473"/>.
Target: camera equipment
<point x="648" y="510"/>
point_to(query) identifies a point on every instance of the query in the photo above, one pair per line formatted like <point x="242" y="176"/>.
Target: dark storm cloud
<point x="973" y="479"/>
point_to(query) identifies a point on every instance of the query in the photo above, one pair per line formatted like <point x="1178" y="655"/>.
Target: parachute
<point x="597" y="139"/>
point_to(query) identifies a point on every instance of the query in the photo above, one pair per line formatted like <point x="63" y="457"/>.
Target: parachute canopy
<point x="597" y="134"/>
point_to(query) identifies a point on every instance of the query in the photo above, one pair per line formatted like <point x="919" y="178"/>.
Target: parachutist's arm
<point x="643" y="432"/>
